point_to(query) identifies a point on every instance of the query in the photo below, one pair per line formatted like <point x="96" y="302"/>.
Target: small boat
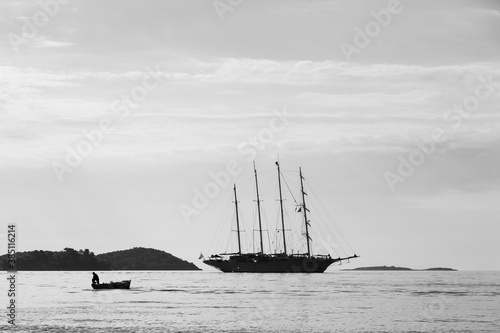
<point x="125" y="284"/>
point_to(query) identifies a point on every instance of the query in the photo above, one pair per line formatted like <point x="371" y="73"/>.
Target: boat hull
<point x="289" y="264"/>
<point x="113" y="285"/>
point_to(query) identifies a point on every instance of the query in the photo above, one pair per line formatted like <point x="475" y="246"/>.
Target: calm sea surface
<point x="336" y="301"/>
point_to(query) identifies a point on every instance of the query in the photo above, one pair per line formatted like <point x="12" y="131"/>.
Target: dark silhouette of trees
<point x="140" y="258"/>
<point x="69" y="259"/>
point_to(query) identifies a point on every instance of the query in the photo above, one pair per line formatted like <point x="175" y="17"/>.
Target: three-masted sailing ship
<point x="283" y="262"/>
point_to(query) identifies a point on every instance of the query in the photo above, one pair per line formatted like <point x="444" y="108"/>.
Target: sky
<point x="126" y="123"/>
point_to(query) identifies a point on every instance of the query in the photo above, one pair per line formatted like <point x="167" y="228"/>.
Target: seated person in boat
<point x="95" y="278"/>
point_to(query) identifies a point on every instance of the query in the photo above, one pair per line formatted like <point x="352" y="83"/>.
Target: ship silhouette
<point x="278" y="262"/>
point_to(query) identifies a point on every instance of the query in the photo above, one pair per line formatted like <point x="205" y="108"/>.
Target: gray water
<point x="336" y="301"/>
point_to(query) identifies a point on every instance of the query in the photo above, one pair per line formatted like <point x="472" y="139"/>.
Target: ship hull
<point x="289" y="264"/>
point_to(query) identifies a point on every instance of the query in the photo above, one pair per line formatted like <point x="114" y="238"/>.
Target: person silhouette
<point x="95" y="278"/>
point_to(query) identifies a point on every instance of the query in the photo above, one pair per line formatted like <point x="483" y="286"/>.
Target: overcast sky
<point x="391" y="110"/>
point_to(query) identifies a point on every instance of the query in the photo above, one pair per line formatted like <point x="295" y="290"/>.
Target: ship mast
<point x="258" y="209"/>
<point x="237" y="220"/>
<point x="281" y="206"/>
<point x="305" y="212"/>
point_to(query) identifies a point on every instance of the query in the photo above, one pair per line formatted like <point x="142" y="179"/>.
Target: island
<point x="143" y="259"/>
<point x="394" y="268"/>
<point x="137" y="258"/>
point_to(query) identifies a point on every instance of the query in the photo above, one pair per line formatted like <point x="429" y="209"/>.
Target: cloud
<point x="335" y="106"/>
<point x="44" y="42"/>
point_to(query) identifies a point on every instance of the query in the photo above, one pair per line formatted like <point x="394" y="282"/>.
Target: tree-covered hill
<point x="66" y="260"/>
<point x="70" y="259"/>
<point x="143" y="259"/>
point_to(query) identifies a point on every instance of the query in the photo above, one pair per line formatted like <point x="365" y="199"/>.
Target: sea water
<point x="335" y="301"/>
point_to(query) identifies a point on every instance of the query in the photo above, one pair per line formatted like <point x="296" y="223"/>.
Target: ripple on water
<point x="215" y="302"/>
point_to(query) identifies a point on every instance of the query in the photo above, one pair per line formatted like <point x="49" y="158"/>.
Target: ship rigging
<point x="281" y="261"/>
